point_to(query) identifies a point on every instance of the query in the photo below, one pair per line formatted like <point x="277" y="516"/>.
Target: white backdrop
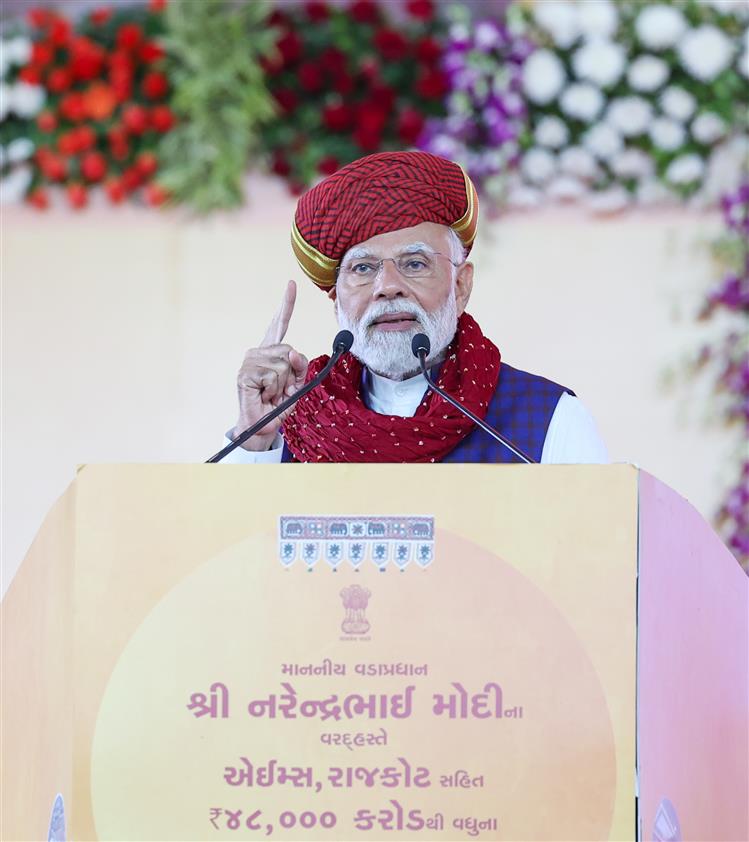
<point x="124" y="329"/>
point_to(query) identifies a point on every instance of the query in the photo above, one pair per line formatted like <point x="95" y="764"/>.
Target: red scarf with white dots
<point x="332" y="423"/>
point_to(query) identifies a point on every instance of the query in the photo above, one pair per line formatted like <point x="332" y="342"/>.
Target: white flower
<point x="543" y="76"/>
<point x="565" y="188"/>
<point x="14" y="186"/>
<point x="726" y="167"/>
<point x="708" y="127"/>
<point x="18" y="50"/>
<point x="522" y="196"/>
<point x="632" y="163"/>
<point x="538" y="165"/>
<point x="551" y="132"/>
<point x="651" y="191"/>
<point x="599" y="61"/>
<point x="659" y="27"/>
<point x="578" y="162"/>
<point x="597" y="18"/>
<point x="613" y="200"/>
<point x="647" y="73"/>
<point x="667" y="134"/>
<point x="27" y="100"/>
<point x="630" y="115"/>
<point x="677" y="103"/>
<point x="706" y="52"/>
<point x="486" y="35"/>
<point x="582" y="101"/>
<point x="20" y="149"/>
<point x="603" y="141"/>
<point x="685" y="169"/>
<point x="560" y="20"/>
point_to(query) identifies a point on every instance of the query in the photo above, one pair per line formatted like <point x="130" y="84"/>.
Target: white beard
<point x="388" y="353"/>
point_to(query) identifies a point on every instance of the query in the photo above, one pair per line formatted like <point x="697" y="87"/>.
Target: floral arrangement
<point x="350" y="81"/>
<point x="628" y="100"/>
<point x="486" y="109"/>
<point x="729" y="359"/>
<point x="99" y="97"/>
<point x="214" y="50"/>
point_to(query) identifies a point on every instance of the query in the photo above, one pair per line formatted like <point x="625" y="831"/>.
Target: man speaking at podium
<point x="387" y="237"/>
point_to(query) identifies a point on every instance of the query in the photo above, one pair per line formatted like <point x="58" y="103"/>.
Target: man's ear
<point x="331" y="293"/>
<point x="463" y="286"/>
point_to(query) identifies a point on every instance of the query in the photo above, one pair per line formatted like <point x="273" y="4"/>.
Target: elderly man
<point x="387" y="238"/>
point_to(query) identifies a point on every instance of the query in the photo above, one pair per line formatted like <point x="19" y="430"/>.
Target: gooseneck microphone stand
<point x="420" y="345"/>
<point x="343" y="341"/>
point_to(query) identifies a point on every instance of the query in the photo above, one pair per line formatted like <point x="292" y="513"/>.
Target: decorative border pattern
<point x="391" y="541"/>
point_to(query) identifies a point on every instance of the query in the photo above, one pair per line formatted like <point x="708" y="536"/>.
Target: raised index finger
<point x="280" y="322"/>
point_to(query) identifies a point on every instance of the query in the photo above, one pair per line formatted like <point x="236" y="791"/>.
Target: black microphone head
<point x="421" y="344"/>
<point x="343" y="341"/>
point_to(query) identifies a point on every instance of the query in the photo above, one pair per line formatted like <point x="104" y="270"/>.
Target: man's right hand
<point x="269" y="375"/>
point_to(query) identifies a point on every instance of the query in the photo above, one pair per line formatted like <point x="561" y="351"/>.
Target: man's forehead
<point x="426" y="236"/>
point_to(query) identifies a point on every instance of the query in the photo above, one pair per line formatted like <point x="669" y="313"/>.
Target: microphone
<point x="343" y="341"/>
<point x="420" y="345"/>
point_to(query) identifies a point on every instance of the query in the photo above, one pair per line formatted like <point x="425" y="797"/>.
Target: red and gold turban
<point x="380" y="193"/>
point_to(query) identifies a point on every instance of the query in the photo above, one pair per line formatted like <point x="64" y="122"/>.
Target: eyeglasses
<point x="419" y="265"/>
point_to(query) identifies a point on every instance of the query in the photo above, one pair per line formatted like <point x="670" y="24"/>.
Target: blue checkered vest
<point x="520" y="410"/>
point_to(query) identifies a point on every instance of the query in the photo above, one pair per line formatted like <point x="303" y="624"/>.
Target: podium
<point x="325" y="652"/>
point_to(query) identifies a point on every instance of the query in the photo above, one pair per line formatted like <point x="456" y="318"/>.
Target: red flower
<point x="67" y="143"/>
<point x="121" y="61"/>
<point x="60" y="31"/>
<point x="77" y="195"/>
<point x="370" y="69"/>
<point x="422" y="9"/>
<point x="410" y="124"/>
<point x="343" y="83"/>
<point x="338" y="117"/>
<point x="100" y="100"/>
<point x="46" y="121"/>
<point x="100" y="16"/>
<point x="86" y="59"/>
<point x="39" y="18"/>
<point x="129" y="36"/>
<point x="155" y="85"/>
<point x="135" y="119"/>
<point x="59" y="80"/>
<point x="367" y="141"/>
<point x="38" y="198"/>
<point x="310" y="76"/>
<point x="290" y="47"/>
<point x="431" y="84"/>
<point x="287" y="99"/>
<point x="85" y="138"/>
<point x="30" y="74"/>
<point x="428" y="49"/>
<point x="316" y="10"/>
<point x="383" y="96"/>
<point x="156" y="5"/>
<point x="364" y="11"/>
<point x="155" y="195"/>
<point x="73" y="107"/>
<point x="279" y="165"/>
<point x="151" y="51"/>
<point x="328" y="165"/>
<point x="162" y="118"/>
<point x="278" y="18"/>
<point x="93" y="166"/>
<point x="147" y="163"/>
<point x="371" y="119"/>
<point x="53" y="167"/>
<point x="132" y="178"/>
<point x="120" y="148"/>
<point x="42" y="53"/>
<point x="391" y="45"/>
<point x="332" y="60"/>
<point x="115" y="189"/>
